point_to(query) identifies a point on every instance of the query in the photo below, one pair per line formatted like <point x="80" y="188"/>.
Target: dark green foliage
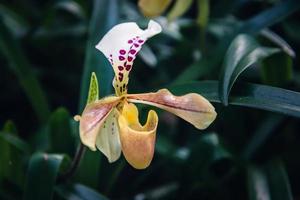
<point x="240" y="55"/>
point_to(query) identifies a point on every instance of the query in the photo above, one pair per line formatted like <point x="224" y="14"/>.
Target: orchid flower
<point x="111" y="124"/>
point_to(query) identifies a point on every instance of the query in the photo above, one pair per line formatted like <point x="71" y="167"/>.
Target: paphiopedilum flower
<point x="112" y="125"/>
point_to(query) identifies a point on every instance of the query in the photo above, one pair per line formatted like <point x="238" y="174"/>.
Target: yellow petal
<point x="191" y="107"/>
<point x="153" y="8"/>
<point x="93" y="117"/>
<point x="108" y="139"/>
<point x="138" y="142"/>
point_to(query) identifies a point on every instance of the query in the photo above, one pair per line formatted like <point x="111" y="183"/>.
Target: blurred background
<point x="242" y="55"/>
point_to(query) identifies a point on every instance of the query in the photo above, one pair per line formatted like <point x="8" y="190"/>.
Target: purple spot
<point x="130" y="58"/>
<point x="136" y="45"/>
<point x="140" y="41"/>
<point x="132" y="51"/>
<point x="120" y="68"/>
<point x="121" y="58"/>
<point x="130" y="41"/>
<point x="110" y="55"/>
<point x="122" y="51"/>
<point x="120" y="76"/>
<point x="128" y="67"/>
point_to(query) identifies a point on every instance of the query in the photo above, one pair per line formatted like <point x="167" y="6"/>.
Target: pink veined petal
<point x="121" y="45"/>
<point x="191" y="107"/>
<point x="92" y="119"/>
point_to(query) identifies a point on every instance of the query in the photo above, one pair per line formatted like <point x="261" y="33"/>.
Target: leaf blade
<point x="250" y="95"/>
<point x="41" y="176"/>
<point x="20" y="66"/>
<point x="242" y="53"/>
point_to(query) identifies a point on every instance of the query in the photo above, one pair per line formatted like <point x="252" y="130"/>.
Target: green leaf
<point x="14" y="20"/>
<point x="270" y="16"/>
<point x="180" y="7"/>
<point x="207" y="153"/>
<point x="104" y="16"/>
<point x="4" y="157"/>
<point x="41" y="175"/>
<point x="264" y="131"/>
<point x="94" y="89"/>
<point x="241" y="46"/>
<point x="242" y="53"/>
<point x="13" y="152"/>
<point x="14" y="140"/>
<point x="60" y="134"/>
<point x="250" y="95"/>
<point x="278" y="181"/>
<point x="277" y="69"/>
<point x="276" y="39"/>
<point x="70" y="6"/>
<point x="88" y="171"/>
<point x="79" y="191"/>
<point x="207" y="150"/>
<point x="20" y="66"/>
<point x="10" y="127"/>
<point x="258" y="188"/>
<point x="147" y="55"/>
<point x="195" y="70"/>
<point x="269" y="182"/>
<point x="253" y="26"/>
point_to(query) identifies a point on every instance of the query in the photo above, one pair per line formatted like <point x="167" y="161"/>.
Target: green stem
<point x="202" y="19"/>
<point x="74" y="165"/>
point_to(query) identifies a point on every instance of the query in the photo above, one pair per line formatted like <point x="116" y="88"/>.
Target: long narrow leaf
<point x="252" y="26"/>
<point x="250" y="95"/>
<point x="270" y="16"/>
<point x="276" y="39"/>
<point x="20" y="66"/>
<point x="257" y="182"/>
<point x="279" y="181"/>
<point x="243" y="52"/>
<point x="268" y="183"/>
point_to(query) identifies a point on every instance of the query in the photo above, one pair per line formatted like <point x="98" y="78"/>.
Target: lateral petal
<point x="191" y="107"/>
<point x="92" y="119"/>
<point x="138" y="142"/>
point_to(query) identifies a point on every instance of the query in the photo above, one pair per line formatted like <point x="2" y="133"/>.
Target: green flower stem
<point x="202" y="20"/>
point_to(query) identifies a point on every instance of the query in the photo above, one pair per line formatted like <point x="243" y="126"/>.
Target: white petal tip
<point x="154" y="27"/>
<point x="98" y="46"/>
